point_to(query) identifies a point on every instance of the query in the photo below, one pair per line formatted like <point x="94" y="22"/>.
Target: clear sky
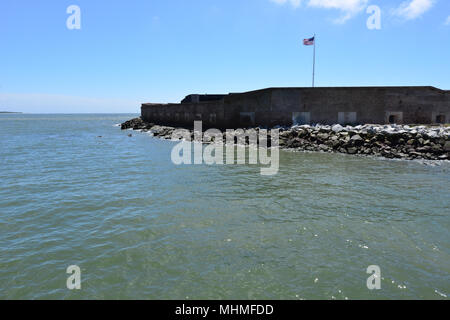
<point x="134" y="51"/>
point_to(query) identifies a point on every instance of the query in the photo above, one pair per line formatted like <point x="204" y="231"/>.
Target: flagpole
<point x="314" y="61"/>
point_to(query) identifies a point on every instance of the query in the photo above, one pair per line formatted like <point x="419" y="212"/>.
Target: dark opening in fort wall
<point x="289" y="106"/>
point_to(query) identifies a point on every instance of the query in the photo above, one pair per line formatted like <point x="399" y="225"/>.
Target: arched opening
<point x="392" y="119"/>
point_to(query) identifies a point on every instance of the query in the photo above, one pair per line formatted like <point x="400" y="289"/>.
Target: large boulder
<point x="337" y="128"/>
<point x="135" y="124"/>
<point x="323" y="136"/>
<point x="447" y="146"/>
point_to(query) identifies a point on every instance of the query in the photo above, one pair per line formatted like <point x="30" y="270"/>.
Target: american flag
<point x="308" y="42"/>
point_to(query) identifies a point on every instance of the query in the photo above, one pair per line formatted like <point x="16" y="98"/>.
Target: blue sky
<point x="128" y="52"/>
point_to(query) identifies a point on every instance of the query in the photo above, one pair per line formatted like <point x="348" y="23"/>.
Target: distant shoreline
<point x="9" y="112"/>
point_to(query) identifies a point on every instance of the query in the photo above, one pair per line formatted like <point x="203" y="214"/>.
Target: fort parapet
<point x="290" y="106"/>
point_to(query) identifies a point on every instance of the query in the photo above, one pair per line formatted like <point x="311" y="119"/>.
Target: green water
<point x="140" y="227"/>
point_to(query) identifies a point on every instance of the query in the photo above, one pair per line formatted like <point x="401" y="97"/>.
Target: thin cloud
<point x="349" y="8"/>
<point x="294" y="3"/>
<point x="447" y="22"/>
<point x="413" y="9"/>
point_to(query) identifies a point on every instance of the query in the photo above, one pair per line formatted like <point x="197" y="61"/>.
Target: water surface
<point x="140" y="227"/>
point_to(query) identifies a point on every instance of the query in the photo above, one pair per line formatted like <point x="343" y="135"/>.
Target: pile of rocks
<point x="389" y="141"/>
<point x="136" y="124"/>
<point x="157" y="131"/>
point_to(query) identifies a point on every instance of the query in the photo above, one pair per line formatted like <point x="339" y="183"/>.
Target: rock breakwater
<point x="389" y="141"/>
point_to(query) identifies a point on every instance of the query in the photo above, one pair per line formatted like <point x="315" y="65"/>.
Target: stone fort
<point x="290" y="106"/>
